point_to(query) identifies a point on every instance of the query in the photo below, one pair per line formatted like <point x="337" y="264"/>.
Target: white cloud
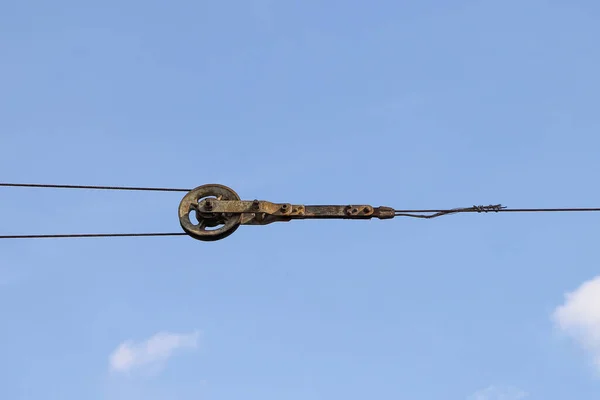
<point x="152" y="352"/>
<point x="579" y="317"/>
<point x="499" y="393"/>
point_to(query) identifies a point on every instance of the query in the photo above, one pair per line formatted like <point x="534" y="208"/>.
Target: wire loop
<point x="425" y="214"/>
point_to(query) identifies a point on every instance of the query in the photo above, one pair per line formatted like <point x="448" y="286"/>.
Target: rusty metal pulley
<point x="209" y="225"/>
<point x="213" y="212"/>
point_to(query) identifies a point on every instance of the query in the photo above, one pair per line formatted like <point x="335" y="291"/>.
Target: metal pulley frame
<point x="219" y="212"/>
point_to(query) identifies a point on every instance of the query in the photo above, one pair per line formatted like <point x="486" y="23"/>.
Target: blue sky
<point x="406" y="104"/>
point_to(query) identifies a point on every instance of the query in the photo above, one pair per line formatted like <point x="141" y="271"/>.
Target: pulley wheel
<point x="209" y="226"/>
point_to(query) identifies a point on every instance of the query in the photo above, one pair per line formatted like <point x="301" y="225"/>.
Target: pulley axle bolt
<point x="208" y="205"/>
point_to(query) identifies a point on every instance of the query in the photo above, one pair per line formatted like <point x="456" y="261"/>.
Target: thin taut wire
<point x="91" y="235"/>
<point x="428" y="214"/>
<point x="38" y="185"/>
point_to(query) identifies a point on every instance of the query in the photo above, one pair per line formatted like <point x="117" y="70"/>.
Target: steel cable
<point x="37" y="185"/>
<point x="425" y="214"/>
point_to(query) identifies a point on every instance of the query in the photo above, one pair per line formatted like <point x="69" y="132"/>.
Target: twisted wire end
<point x="490" y="208"/>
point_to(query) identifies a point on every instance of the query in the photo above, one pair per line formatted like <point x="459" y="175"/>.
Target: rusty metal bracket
<point x="219" y="207"/>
